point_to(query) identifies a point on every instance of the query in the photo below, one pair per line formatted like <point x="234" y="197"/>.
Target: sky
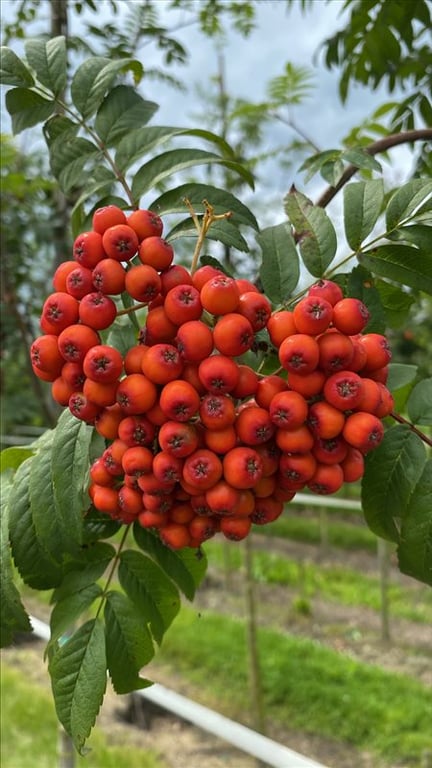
<point x="279" y="36"/>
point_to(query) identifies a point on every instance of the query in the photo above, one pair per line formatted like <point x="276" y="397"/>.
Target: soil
<point x="352" y="631"/>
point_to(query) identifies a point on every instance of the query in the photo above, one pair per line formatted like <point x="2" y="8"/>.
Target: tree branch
<point x="395" y="139"/>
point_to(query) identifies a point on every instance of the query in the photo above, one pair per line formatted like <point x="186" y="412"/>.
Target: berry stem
<point x="203" y="227"/>
<point x="413" y="428"/>
<point x="133" y="308"/>
<point x="113" y="569"/>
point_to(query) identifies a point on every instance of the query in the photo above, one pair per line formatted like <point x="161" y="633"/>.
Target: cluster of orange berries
<point x="197" y="441"/>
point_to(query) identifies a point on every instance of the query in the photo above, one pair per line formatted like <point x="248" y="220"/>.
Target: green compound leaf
<point x="13" y="617"/>
<point x="362" y="207"/>
<point x="220" y="200"/>
<point x="36" y="567"/>
<point x="120" y="112"/>
<point x="94" y="77"/>
<point x="78" y="677"/>
<point x="401" y="263"/>
<point x="280" y="269"/>
<point x="315" y="232"/>
<point x="129" y="646"/>
<point x="406" y="200"/>
<point x="415" y="547"/>
<point x="150" y="590"/>
<point x="69" y="468"/>
<point x="391" y="474"/>
<point x="13" y="71"/>
<point x="48" y="59"/>
<point x="67" y="611"/>
<point x="27" y="108"/>
<point x="186" y="567"/>
<point x="419" y="404"/>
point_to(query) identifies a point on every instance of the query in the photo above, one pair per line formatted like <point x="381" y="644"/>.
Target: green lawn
<point x="306" y="686"/>
<point x="30" y="732"/>
<point x="340" y="534"/>
<point x="335" y="583"/>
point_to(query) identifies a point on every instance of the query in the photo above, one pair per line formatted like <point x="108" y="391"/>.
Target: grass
<point x="305" y="686"/>
<point x="340" y="535"/>
<point x="343" y="585"/>
<point x="29" y="732"/>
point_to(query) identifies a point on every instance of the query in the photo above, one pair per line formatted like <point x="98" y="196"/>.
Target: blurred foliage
<point x="26" y="263"/>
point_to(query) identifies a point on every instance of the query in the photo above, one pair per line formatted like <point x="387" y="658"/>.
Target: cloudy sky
<point x="280" y="35"/>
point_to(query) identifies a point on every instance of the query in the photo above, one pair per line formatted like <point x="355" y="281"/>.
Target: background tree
<point x="102" y="150"/>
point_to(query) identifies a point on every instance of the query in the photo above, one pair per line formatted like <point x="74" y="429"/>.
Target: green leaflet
<point x="11" y="458"/>
<point x="136" y="143"/>
<point x="400" y="374"/>
<point x="129" y="645"/>
<point x="419" y="404"/>
<point x="392" y="472"/>
<point x="120" y="112"/>
<point x="94" y="77"/>
<point x="406" y="200"/>
<point x="402" y="264"/>
<point x="360" y="284"/>
<point x="186" y="567"/>
<point x="78" y="677"/>
<point x="222" y="201"/>
<point x="362" y="206"/>
<point x="13" y="615"/>
<point x="66" y="612"/>
<point x="35" y="565"/>
<point x="27" y="108"/>
<point x="69" y="156"/>
<point x="280" y="269"/>
<point x="69" y="467"/>
<point x="166" y="164"/>
<point x="13" y="71"/>
<point x="415" y="546"/>
<point x="150" y="590"/>
<point x="314" y="232"/>
<point x="223" y="231"/>
<point x="48" y="59"/>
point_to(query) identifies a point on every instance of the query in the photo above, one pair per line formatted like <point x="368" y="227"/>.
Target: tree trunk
<point x="61" y="226"/>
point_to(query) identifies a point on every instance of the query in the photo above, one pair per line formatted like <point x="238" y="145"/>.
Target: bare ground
<point x="350" y="630"/>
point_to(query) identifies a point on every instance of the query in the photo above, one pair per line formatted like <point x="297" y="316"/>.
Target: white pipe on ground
<point x="250" y="742"/>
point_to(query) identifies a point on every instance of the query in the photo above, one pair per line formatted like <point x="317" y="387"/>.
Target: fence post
<point x="324" y="531"/>
<point x="384" y="571"/>
<point x="255" y="679"/>
<point x="65" y="750"/>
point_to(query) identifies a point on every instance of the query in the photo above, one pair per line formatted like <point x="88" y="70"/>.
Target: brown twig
<point x="382" y="145"/>
<point x="402" y="420"/>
